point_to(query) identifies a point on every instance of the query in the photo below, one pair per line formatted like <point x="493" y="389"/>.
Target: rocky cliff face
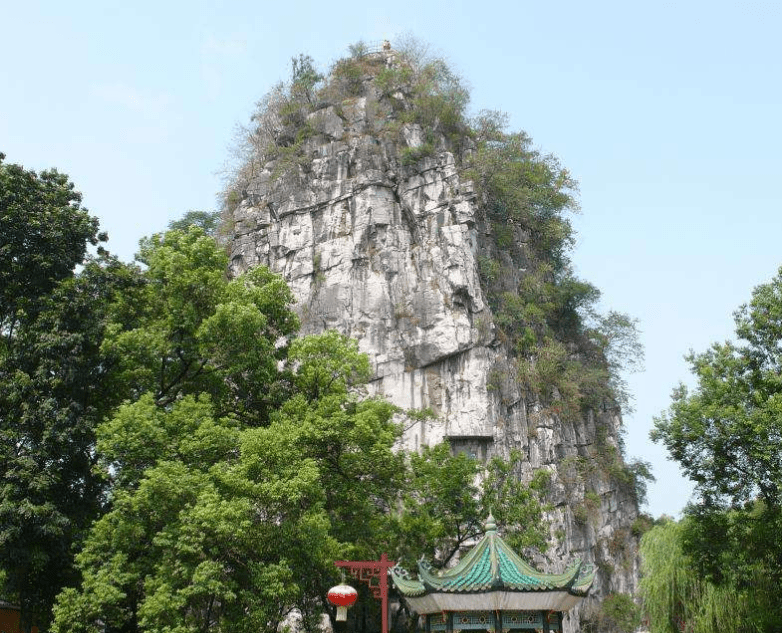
<point x="387" y="253"/>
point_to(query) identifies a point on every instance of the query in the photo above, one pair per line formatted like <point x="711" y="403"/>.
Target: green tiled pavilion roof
<point x="491" y="565"/>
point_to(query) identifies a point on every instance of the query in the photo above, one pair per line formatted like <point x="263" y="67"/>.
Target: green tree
<point x="679" y="594"/>
<point x="44" y="234"/>
<point x="55" y="387"/>
<point x="517" y="508"/>
<point x="208" y="221"/>
<point x="440" y="506"/>
<point x="304" y="78"/>
<point x="447" y="498"/>
<point x="516" y="184"/>
<point x="231" y="526"/>
<point x="669" y="586"/>
<point x="727" y="433"/>
<point x="737" y="550"/>
<point x="207" y="539"/>
<point x="241" y="466"/>
<point x="195" y="331"/>
<point x="55" y="381"/>
<point x="616" y="336"/>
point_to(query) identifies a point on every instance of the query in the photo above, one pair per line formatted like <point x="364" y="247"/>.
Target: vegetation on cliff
<point x="568" y="357"/>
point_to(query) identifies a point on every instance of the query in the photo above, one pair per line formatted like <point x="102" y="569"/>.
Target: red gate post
<point x="366" y="570"/>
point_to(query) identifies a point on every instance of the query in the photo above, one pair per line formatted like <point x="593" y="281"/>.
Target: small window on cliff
<point x="476" y="447"/>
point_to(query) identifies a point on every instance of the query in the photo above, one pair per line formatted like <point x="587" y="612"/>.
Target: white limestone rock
<point x="388" y="255"/>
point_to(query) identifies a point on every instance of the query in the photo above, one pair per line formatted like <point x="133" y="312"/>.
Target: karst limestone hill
<point x="368" y="192"/>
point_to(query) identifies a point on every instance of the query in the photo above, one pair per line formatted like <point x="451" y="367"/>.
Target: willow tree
<point x="677" y="596"/>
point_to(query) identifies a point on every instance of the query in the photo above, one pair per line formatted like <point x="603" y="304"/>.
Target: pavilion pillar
<point x="544" y="617"/>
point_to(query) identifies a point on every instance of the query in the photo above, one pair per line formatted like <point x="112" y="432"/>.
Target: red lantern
<point x="342" y="597"/>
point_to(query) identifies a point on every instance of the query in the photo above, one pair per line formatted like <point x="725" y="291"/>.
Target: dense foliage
<point x="42" y="248"/>
<point x="209" y="221"/>
<point x="568" y="355"/>
<point x="54" y="381"/>
<point x="443" y="506"/>
<point x="725" y="434"/>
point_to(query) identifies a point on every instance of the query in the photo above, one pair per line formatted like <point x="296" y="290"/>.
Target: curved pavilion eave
<point x="494" y="589"/>
<point x="493" y="601"/>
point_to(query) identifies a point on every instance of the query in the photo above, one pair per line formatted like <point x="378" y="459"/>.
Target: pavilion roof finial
<point x="491" y="524"/>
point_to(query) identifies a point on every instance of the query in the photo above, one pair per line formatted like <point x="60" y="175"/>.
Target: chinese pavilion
<point x="492" y="589"/>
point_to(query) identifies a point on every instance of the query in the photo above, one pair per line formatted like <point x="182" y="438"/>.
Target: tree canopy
<point x="54" y="381"/>
<point x="711" y="574"/>
<point x="727" y="433"/>
<point x="45" y="234"/>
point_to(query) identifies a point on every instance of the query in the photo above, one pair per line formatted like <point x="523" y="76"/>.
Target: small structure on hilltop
<point x="492" y="589"/>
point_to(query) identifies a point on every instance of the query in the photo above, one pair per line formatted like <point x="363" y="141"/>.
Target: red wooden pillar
<point x="366" y="570"/>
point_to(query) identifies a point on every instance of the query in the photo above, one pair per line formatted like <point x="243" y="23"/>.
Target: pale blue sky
<point x="667" y="113"/>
